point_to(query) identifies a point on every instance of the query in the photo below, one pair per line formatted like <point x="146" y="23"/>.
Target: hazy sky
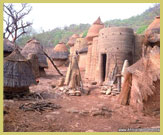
<point x="48" y="16"/>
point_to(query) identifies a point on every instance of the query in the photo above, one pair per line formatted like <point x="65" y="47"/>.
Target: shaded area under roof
<point x="83" y="50"/>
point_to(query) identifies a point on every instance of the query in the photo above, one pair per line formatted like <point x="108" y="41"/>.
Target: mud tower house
<point x="108" y="47"/>
<point x="79" y="44"/>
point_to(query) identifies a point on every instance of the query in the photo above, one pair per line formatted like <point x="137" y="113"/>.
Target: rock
<point x="93" y="83"/>
<point x="56" y="112"/>
<point x="65" y="91"/>
<point x="108" y="92"/>
<point x="95" y="113"/>
<point x="72" y="110"/>
<point x="103" y="111"/>
<point x="84" y="112"/>
<point x="62" y="88"/>
<point x="103" y="92"/>
<point x="77" y="93"/>
<point x="71" y="92"/>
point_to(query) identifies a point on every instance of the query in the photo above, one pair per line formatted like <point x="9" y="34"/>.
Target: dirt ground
<point x="87" y="113"/>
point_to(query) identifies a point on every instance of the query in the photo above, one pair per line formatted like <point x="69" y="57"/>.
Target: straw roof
<point x="94" y="29"/>
<point x="147" y="72"/>
<point x="8" y="46"/>
<point x="33" y="46"/>
<point x="60" y="51"/>
<point x="72" y="39"/>
<point x="152" y="34"/>
<point x="17" y="71"/>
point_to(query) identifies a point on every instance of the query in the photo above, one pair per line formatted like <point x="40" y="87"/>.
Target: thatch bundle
<point x="144" y="89"/>
<point x="18" y="75"/>
<point x="94" y="29"/>
<point x="33" y="46"/>
<point x="72" y="39"/>
<point x="8" y="47"/>
<point x="152" y="34"/>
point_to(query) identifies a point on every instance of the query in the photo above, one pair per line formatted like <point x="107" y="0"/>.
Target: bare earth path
<point x="86" y="113"/>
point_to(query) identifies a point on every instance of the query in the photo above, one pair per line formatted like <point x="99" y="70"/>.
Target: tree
<point x="14" y="24"/>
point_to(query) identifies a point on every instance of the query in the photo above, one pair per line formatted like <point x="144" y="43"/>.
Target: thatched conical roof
<point x="33" y="46"/>
<point x="17" y="71"/>
<point x="60" y="51"/>
<point x="94" y="29"/>
<point x="72" y="40"/>
<point x="152" y="34"/>
<point x="8" y="46"/>
<point x="147" y="72"/>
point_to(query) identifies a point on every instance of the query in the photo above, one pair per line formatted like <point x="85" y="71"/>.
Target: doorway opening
<point x="104" y="58"/>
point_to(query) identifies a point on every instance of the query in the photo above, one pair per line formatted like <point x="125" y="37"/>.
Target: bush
<point x="141" y="29"/>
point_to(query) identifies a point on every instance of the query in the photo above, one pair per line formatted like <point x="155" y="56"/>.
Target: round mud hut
<point x="152" y="34"/>
<point x="72" y="40"/>
<point x="18" y="75"/>
<point x="8" y="47"/>
<point x="116" y="44"/>
<point x="60" y="54"/>
<point x="94" y="30"/>
<point x="33" y="47"/>
<point x="92" y="33"/>
<point x="80" y="44"/>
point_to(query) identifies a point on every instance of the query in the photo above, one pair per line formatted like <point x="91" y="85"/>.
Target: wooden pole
<point x="52" y="63"/>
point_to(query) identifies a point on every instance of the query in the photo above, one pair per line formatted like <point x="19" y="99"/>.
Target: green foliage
<point x="85" y="34"/>
<point x="141" y="29"/>
<point x="53" y="37"/>
<point x="138" y="21"/>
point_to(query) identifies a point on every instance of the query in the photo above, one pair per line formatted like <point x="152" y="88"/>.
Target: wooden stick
<point x="52" y="63"/>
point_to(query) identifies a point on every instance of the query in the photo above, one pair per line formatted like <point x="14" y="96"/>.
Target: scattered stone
<point x="108" y="92"/>
<point x="84" y="112"/>
<point x="55" y="112"/>
<point x="61" y="88"/>
<point x="103" y="111"/>
<point x="103" y="92"/>
<point x="72" y="110"/>
<point x="77" y="93"/>
<point x="71" y="92"/>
